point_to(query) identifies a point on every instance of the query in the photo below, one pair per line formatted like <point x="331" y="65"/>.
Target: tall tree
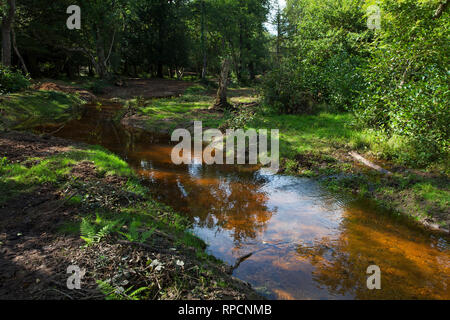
<point x="7" y="23"/>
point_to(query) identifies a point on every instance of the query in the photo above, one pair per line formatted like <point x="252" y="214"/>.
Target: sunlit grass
<point x="16" y="178"/>
<point x="33" y="107"/>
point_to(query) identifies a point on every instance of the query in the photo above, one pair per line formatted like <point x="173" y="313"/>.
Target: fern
<point x="88" y="231"/>
<point x="113" y="293"/>
<point x="147" y="234"/>
<point x="92" y="233"/>
<point x="134" y="235"/>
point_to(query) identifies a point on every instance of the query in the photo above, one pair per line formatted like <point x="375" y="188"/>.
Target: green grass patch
<point x="429" y="192"/>
<point x="29" y="108"/>
<point x="307" y="133"/>
<point x="16" y="178"/>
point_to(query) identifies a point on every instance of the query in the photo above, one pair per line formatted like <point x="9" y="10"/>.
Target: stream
<point x="300" y="241"/>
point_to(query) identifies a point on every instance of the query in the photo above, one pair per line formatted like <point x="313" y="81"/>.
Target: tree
<point x="221" y="102"/>
<point x="7" y="23"/>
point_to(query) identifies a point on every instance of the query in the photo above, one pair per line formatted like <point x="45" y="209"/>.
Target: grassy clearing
<point x="167" y="114"/>
<point x="29" y="108"/>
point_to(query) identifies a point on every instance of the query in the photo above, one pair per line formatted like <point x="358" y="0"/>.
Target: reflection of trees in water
<point x="411" y="268"/>
<point x="231" y="205"/>
<point x="216" y="200"/>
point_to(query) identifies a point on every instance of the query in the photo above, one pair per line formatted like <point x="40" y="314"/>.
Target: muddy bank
<point x="40" y="235"/>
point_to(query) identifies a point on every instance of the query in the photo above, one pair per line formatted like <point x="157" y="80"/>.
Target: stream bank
<point x="53" y="189"/>
<point x="312" y="146"/>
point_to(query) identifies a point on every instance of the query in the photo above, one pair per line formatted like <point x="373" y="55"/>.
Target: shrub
<point x="407" y="91"/>
<point x="12" y="81"/>
<point x="323" y="65"/>
<point x="286" y="90"/>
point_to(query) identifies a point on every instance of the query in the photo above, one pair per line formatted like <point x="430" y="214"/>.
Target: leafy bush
<point x="12" y="81"/>
<point x="407" y="90"/>
<point x="323" y="66"/>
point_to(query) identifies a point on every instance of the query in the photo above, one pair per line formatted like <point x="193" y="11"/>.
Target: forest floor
<point x="130" y="247"/>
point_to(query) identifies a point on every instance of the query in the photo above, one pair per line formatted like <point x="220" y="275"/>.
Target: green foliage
<point x="134" y="235"/>
<point x="407" y="89"/>
<point x="324" y="57"/>
<point x="95" y="232"/>
<point x="239" y="119"/>
<point x="394" y="79"/>
<point x="16" y="178"/>
<point x="12" y="81"/>
<point x="118" y="293"/>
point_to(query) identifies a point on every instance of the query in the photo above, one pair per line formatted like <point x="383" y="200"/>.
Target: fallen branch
<point x="369" y="163"/>
<point x="56" y="131"/>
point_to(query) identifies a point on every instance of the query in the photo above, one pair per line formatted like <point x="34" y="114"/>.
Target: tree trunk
<point x="6" y="33"/>
<point x="221" y="98"/>
<point x="440" y="9"/>
<point x="16" y="49"/>
<point x="101" y="59"/>
<point x="205" y="58"/>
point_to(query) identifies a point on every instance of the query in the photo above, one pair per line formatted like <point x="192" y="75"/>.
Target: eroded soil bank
<point x="40" y="230"/>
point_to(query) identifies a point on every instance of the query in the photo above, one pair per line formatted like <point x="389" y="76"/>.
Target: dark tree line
<point x="136" y="37"/>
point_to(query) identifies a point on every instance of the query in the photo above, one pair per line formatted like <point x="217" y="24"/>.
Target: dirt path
<point x="130" y="88"/>
<point x="147" y="88"/>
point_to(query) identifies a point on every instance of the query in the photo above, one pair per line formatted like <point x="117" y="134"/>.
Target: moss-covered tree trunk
<point x="221" y="102"/>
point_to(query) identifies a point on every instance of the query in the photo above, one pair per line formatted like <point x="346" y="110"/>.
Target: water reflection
<point x="302" y="242"/>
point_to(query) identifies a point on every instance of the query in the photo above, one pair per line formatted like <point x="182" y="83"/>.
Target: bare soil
<point x="52" y="86"/>
<point x="147" y="88"/>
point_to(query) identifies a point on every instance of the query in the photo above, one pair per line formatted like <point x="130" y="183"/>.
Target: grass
<point x="308" y="133"/>
<point x="170" y="113"/>
<point x="29" y="108"/>
<point x="15" y="177"/>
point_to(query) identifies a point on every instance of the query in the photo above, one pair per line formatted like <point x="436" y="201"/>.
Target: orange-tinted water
<point x="305" y="242"/>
